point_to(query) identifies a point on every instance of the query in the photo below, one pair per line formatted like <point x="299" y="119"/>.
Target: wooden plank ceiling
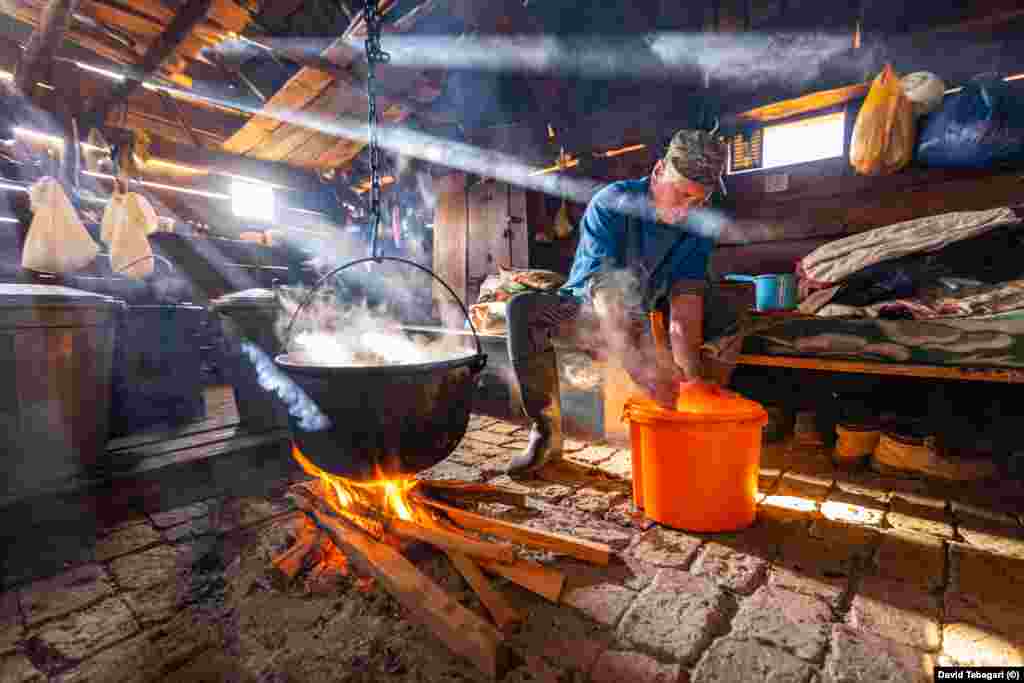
<point x="123" y="30"/>
<point x="335" y="94"/>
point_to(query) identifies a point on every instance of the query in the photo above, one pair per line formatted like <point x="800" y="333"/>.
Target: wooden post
<point x="450" y="247"/>
<point x="42" y="46"/>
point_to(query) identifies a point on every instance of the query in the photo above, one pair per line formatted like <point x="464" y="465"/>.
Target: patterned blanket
<point x="823" y="270"/>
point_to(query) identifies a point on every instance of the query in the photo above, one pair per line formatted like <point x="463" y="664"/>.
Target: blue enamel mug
<point x="772" y="292"/>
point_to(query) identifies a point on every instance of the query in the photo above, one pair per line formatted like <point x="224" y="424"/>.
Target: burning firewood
<point x="441" y="538"/>
<point x="588" y="551"/>
<point x="462" y="631"/>
<point x="369" y="523"/>
<point x="307" y="551"/>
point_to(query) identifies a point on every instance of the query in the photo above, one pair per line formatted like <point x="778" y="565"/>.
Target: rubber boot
<point x="538" y="384"/>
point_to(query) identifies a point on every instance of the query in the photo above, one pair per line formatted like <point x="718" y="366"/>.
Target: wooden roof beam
<point x="35" y="62"/>
<point x="191" y="14"/>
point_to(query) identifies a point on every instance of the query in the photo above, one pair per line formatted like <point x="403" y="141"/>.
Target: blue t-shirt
<point x="605" y="243"/>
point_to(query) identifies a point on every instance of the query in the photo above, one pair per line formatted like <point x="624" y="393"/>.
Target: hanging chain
<point x="374" y="55"/>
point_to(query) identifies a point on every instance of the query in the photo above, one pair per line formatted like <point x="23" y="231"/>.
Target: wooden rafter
<point x="191" y="13"/>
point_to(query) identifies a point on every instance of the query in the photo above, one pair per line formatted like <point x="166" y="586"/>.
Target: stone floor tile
<point x="866" y="484"/>
<point x="988" y="576"/>
<point x="562" y="636"/>
<point x="1003" y="538"/>
<point x="562" y="521"/>
<point x="964" y="512"/>
<point x="490" y="437"/>
<point x="617" y="666"/>
<point x="729" y="660"/>
<point x="593" y="455"/>
<point x="169" y="518"/>
<point x="853" y="540"/>
<point x="605" y="603"/>
<point x="666" y="548"/>
<point x="505" y="428"/>
<point x="619" y="465"/>
<point x="738" y="571"/>
<point x="448" y="470"/>
<point x="227" y="514"/>
<point x="804" y="485"/>
<point x="828" y="589"/>
<point x="476" y="454"/>
<point x="67" y="592"/>
<point x="676" y="617"/>
<point x="827" y="554"/>
<point x="856" y="657"/>
<point x="17" y="668"/>
<point x="536" y="669"/>
<point x="125" y="540"/>
<point x="896" y="611"/>
<point x="81" y="634"/>
<point x="534" y="488"/>
<point x="594" y="501"/>
<point x="911" y="557"/>
<point x="190" y="530"/>
<point x="156" y="604"/>
<point x="853" y="508"/>
<point x="147" y="568"/>
<point x="11" y="630"/>
<point x="982" y="633"/>
<point x="906" y="515"/>
<point x="964" y="644"/>
<point x="798" y="624"/>
<point x="626" y="514"/>
<point x="784" y="507"/>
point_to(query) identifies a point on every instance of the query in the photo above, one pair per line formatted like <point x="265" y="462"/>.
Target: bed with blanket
<point x="937" y="296"/>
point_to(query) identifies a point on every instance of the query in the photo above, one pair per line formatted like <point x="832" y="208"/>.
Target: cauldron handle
<point x="378" y="259"/>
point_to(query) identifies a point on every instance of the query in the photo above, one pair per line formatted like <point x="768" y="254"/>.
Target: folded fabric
<point x="831" y="263"/>
<point x="57" y="242"/>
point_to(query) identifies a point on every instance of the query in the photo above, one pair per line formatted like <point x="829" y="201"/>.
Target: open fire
<point x="369" y="523"/>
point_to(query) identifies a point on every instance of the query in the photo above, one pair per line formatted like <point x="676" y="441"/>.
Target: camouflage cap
<point x="696" y="155"/>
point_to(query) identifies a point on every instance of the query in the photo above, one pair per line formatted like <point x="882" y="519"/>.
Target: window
<point x="249" y="200"/>
<point x="811" y="139"/>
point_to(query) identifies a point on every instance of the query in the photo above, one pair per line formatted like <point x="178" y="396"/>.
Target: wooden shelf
<point x="962" y="373"/>
<point x="801" y="105"/>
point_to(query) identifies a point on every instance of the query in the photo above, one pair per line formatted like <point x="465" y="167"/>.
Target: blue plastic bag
<point x="981" y="126"/>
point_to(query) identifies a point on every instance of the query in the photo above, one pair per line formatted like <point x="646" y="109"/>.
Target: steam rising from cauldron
<point x="300" y="406"/>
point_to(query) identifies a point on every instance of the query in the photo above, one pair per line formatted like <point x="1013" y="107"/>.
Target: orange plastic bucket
<point x="698" y="465"/>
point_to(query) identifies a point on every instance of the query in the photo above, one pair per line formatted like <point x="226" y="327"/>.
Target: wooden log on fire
<point x="462" y="631"/>
<point x="307" y="551"/>
<point x="377" y="526"/>
<point x="588" y="551"/>
<point x="504" y="615"/>
<point x="536" y="578"/>
<point x="461" y="491"/>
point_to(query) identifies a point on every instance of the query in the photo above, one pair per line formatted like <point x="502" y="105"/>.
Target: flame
<point x="385" y="495"/>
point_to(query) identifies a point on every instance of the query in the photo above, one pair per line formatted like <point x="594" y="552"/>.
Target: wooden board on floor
<point x="1002" y="375"/>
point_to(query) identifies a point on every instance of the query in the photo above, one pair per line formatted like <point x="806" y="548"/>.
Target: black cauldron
<point x="390" y="420"/>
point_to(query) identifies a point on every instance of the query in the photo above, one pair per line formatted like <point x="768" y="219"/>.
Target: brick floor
<point x="845" y="576"/>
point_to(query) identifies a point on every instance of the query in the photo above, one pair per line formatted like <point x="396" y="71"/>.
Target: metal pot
<point x="392" y="420"/>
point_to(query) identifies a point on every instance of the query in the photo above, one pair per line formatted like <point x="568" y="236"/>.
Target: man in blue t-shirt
<point x="639" y="239"/>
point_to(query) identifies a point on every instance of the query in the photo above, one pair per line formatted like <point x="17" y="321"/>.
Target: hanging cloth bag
<point x="125" y="226"/>
<point x="883" y="136"/>
<point x="57" y="242"/>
